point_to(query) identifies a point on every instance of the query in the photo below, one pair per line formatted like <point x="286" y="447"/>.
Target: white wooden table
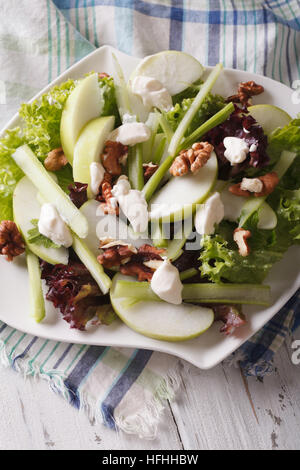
<point x="216" y="409"/>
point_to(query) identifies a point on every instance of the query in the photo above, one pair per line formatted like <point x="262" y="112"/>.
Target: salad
<point x="154" y="200"/>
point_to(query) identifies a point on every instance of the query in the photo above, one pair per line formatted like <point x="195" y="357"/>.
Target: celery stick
<point x="254" y="203"/>
<point x="188" y="273"/>
<point x="49" y="189"/>
<point x="159" y="150"/>
<point x="36" y="297"/>
<point x="135" y="167"/>
<point x="188" y="117"/>
<point x="157" y="234"/>
<point x="152" y="184"/>
<point x="91" y="263"/>
<point x="252" y="294"/>
<point x="214" y="121"/>
<point x="165" y="127"/>
<point x="156" y="178"/>
<point x="174" y="248"/>
<point x="153" y="123"/>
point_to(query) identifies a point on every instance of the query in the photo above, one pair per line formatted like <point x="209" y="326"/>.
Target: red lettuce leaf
<point x="73" y="291"/>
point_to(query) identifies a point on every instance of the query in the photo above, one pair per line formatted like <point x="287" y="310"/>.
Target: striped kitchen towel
<point x="40" y="39"/>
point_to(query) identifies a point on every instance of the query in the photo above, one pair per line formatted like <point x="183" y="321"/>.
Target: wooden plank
<point x="33" y="417"/>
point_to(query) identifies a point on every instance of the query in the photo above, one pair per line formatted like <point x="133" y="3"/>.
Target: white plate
<point x="210" y="348"/>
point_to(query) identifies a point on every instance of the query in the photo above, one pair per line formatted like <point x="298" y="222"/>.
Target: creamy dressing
<point x="166" y="283"/>
<point x="132" y="203"/>
<point x="97" y="174"/>
<point x="152" y="92"/>
<point x="52" y="226"/>
<point x="254" y="185"/>
<point x="236" y="149"/>
<point x="210" y="214"/>
<point x="131" y="133"/>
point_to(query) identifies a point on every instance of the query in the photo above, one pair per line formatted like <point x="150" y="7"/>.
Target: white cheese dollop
<point x="209" y="214"/>
<point x="253" y="148"/>
<point x="254" y="185"/>
<point x="152" y="92"/>
<point x="236" y="149"/>
<point x="97" y="174"/>
<point x="121" y="187"/>
<point x="52" y="226"/>
<point x="166" y="283"/>
<point x="131" y="133"/>
<point x="132" y="203"/>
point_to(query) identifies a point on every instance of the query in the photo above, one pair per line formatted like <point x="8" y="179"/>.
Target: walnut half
<point x="194" y="159"/>
<point x="11" y="241"/>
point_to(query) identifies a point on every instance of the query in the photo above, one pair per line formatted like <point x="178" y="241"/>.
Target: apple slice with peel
<point x="88" y="148"/>
<point x="178" y="198"/>
<point x="175" y="70"/>
<point x="49" y="189"/>
<point x="161" y="320"/>
<point x="233" y="205"/>
<point x="108" y="225"/>
<point x="84" y="104"/>
<point x="26" y="207"/>
<point x="269" y="117"/>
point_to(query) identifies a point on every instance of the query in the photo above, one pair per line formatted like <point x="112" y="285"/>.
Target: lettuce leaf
<point x="219" y="257"/>
<point x="34" y="236"/>
<point x="42" y="119"/>
<point x="107" y="88"/>
<point x="211" y="105"/>
<point x="221" y="263"/>
<point x="285" y="138"/>
<point x="10" y="173"/>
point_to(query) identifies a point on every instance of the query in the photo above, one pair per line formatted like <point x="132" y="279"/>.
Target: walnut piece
<point x="194" y="159"/>
<point x="142" y="272"/>
<point x="131" y="261"/>
<point x="115" y="256"/>
<point x="110" y="206"/>
<point x="11" y="241"/>
<point x="113" y="155"/>
<point x="240" y="236"/>
<point x="245" y="91"/>
<point x="55" y="160"/>
<point x="269" y="181"/>
<point x="149" y="170"/>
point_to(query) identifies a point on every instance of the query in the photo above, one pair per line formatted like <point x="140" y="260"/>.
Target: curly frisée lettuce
<point x="42" y="119"/>
<point x="210" y="106"/>
<point x="221" y="263"/>
<point x="10" y="173"/>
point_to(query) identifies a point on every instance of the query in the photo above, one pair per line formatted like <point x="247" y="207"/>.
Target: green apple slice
<point x="233" y="205"/>
<point x="269" y="117"/>
<point x="88" y="148"/>
<point x="26" y="207"/>
<point x="108" y="225"/>
<point x="49" y="189"/>
<point x="36" y="297"/>
<point x="175" y="70"/>
<point x="267" y="218"/>
<point x="178" y="198"/>
<point x="165" y="321"/>
<point x="84" y="103"/>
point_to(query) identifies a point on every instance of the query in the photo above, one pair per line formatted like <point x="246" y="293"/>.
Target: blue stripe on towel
<point x="80" y="371"/>
<point x="176" y="25"/>
<point x="126" y="379"/>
